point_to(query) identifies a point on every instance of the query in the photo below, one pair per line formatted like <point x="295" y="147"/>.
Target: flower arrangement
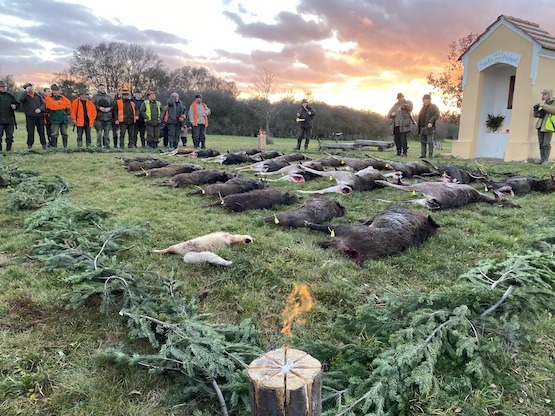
<point x="494" y="123"/>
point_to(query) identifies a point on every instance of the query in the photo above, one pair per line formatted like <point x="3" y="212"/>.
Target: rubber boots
<point x="422" y="150"/>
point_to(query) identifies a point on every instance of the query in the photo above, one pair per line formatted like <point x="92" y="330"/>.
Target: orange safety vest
<point x="120" y="110"/>
<point x="195" y="114"/>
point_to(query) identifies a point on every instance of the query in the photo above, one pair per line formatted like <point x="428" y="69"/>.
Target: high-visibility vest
<point x="194" y="121"/>
<point x="147" y="109"/>
<point x="120" y="110"/>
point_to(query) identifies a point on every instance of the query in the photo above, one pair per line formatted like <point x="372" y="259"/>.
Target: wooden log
<point x="285" y="382"/>
<point x="380" y="144"/>
<point x="342" y="146"/>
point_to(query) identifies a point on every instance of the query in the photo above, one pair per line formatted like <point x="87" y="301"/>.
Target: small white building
<point x="505" y="70"/>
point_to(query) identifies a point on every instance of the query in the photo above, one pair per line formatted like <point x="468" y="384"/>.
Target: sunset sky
<point x="357" y="53"/>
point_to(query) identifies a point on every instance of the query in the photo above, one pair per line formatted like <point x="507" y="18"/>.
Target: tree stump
<point x="261" y="145"/>
<point x="285" y="382"/>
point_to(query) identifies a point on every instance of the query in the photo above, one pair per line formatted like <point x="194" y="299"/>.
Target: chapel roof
<point x="531" y="29"/>
<point x="534" y="30"/>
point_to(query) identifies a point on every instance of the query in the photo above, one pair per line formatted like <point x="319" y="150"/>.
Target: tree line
<point x="122" y="65"/>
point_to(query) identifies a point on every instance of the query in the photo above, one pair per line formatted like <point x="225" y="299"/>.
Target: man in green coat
<point x="8" y="104"/>
<point x="427" y="118"/>
<point x="105" y="105"/>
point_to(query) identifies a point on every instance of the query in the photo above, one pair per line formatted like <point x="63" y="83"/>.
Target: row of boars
<point x="391" y="231"/>
<point x="444" y="194"/>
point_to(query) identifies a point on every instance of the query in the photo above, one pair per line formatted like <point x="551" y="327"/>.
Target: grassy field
<point x="50" y="355"/>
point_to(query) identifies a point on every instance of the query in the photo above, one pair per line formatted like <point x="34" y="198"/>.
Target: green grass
<point x="49" y="355"/>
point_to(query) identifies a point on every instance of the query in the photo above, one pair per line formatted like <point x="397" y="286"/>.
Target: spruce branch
<point x="219" y="395"/>
<point x="101" y="250"/>
<point x="497" y="304"/>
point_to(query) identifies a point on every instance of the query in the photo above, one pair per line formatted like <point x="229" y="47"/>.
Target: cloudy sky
<point x="357" y="53"/>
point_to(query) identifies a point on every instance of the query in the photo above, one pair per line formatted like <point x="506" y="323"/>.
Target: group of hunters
<point x="49" y="114"/>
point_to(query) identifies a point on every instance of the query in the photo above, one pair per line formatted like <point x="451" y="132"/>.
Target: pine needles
<point x="438" y="346"/>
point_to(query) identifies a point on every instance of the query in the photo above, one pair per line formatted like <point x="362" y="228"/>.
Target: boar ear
<point x="432" y="222"/>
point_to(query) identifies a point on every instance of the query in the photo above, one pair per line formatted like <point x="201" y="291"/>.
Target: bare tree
<point x="264" y="84"/>
<point x="8" y="79"/>
<point x="117" y="65"/>
<point x="200" y="80"/>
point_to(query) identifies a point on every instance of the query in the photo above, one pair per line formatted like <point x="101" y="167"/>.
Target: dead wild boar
<point x="258" y="199"/>
<point x="391" y="231"/>
<point x="235" y="185"/>
<point x="314" y="210"/>
<point x="144" y="164"/>
<point x="169" y="170"/>
<point x="446" y="195"/>
<point x="198" y="177"/>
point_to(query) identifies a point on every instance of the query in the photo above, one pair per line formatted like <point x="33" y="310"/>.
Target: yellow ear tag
<point x="413" y="193"/>
<point x="332" y="232"/>
<point x="221" y="199"/>
<point x="387" y="165"/>
<point x="331" y="178"/>
<point x="276" y="219"/>
<point x="485" y="188"/>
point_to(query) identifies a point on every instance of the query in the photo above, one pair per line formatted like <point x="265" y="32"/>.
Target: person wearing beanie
<point x="105" y="105"/>
<point x="401" y="120"/>
<point x="59" y="106"/>
<point x="83" y="115"/>
<point x="427" y="118"/>
<point x="544" y="110"/>
<point x="8" y="105"/>
<point x="33" y="106"/>
<point x="174" y="118"/>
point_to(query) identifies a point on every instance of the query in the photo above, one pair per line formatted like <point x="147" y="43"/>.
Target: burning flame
<point x="298" y="302"/>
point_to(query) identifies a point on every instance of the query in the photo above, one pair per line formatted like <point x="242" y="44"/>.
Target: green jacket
<point x="103" y="100"/>
<point x="428" y="114"/>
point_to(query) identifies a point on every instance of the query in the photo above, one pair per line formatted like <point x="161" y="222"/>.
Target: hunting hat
<point x="83" y="92"/>
<point x="2" y="84"/>
<point x="426" y="97"/>
<point x="198" y="96"/>
<point x="54" y="87"/>
<point x="151" y="92"/>
<point x="137" y="92"/>
<point x="304" y="101"/>
<point x="400" y="95"/>
<point x="27" y="84"/>
<point x="546" y="91"/>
